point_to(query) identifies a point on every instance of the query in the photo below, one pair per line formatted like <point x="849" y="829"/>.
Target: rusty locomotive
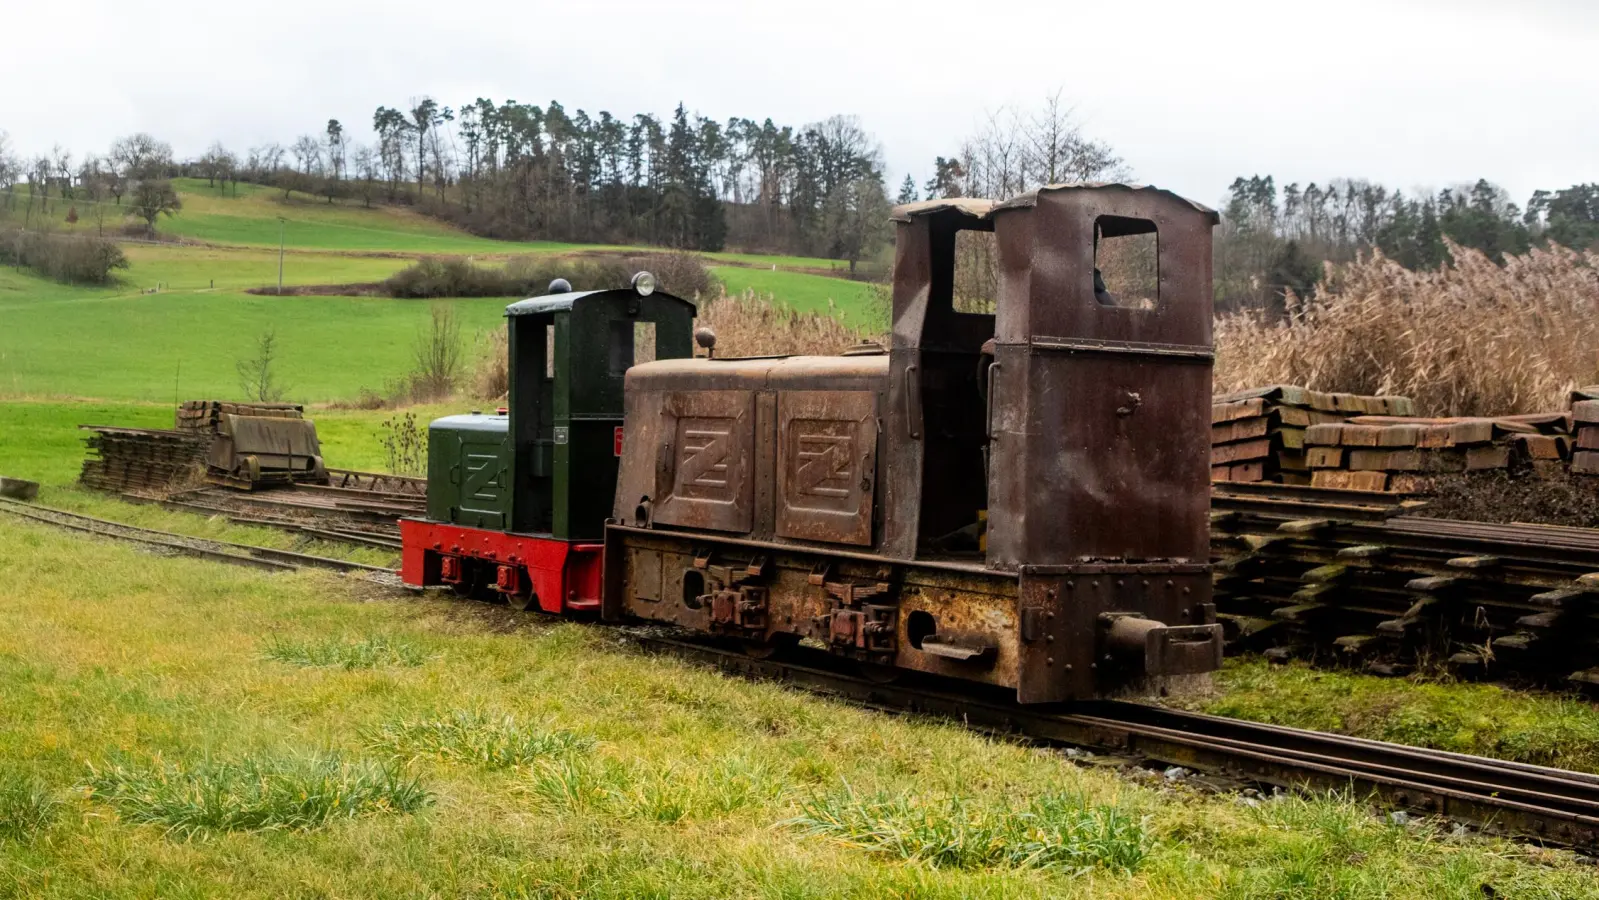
<point x="1016" y="497"/>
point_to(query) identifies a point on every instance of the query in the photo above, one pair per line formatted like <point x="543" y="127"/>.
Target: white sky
<point x="1411" y="93"/>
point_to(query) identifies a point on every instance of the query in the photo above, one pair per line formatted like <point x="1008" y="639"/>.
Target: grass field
<point x="158" y="346"/>
<point x="251" y="219"/>
<point x="180" y="320"/>
<point x="179" y="729"/>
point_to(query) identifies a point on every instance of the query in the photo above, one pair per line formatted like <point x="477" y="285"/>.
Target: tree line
<point x="523" y="171"/>
<point x="1275" y="239"/>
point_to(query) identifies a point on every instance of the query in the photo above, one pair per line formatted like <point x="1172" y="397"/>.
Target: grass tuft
<point x="369" y="653"/>
<point x="254" y="793"/>
<point x="472" y="737"/>
<point x="27" y="806"/>
<point x="1055" y="831"/>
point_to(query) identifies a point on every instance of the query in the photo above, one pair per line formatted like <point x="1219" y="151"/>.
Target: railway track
<point x="1552" y="806"/>
<point x="1334" y="574"/>
<point x="1549" y="805"/>
<point x="203" y="548"/>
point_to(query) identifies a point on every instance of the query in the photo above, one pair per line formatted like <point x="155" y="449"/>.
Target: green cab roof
<point x="563" y="302"/>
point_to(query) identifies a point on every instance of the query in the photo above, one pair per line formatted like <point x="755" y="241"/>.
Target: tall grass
<point x="1470" y="338"/>
<point x="254" y="793"/>
<point x="1054" y="831"/>
<point x="27" y="806"/>
<point x="750" y="325"/>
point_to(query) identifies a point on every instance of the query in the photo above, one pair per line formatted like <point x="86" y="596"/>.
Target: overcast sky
<point x="1412" y="93"/>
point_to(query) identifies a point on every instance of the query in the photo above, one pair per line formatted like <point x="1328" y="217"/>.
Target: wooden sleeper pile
<point x="206" y="415"/>
<point x="1260" y="434"/>
<point x="1375" y="453"/>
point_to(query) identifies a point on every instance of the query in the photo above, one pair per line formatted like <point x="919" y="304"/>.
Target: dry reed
<point x="750" y="325"/>
<point x="1470" y="338"/>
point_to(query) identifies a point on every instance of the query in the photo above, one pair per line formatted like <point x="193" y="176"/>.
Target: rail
<point x="205" y="548"/>
<point x="1551" y="805"/>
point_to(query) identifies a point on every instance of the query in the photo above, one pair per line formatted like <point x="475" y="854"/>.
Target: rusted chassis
<point x="1057" y="634"/>
<point x="526" y="571"/>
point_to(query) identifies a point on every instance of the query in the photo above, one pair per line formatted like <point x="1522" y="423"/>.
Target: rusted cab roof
<point x="979" y="208"/>
<point x="976" y="207"/>
<point x="1030" y="198"/>
<point x="760" y="373"/>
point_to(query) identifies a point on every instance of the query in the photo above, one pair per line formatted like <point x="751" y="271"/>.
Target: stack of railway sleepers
<point x="206" y="415"/>
<point x="1585" y="415"/>
<point x="1357" y="576"/>
<point x="137" y="459"/>
<point x="1258" y="435"/>
<point x="1375" y="453"/>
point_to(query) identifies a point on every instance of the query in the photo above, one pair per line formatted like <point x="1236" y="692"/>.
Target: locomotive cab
<point x="517" y="501"/>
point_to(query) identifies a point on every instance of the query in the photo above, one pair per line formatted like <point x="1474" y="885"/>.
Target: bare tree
<point x="366" y="172"/>
<point x="437" y="354"/>
<point x="218" y="164"/>
<point x="140" y="156"/>
<point x="1017" y="151"/>
<point x="307" y="152"/>
<point x="94" y="183"/>
<point x="258" y="374"/>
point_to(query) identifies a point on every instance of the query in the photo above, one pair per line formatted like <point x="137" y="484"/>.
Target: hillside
<point x="180" y="318"/>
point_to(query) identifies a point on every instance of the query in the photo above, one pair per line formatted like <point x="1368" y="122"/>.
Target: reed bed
<point x="1470" y="338"/>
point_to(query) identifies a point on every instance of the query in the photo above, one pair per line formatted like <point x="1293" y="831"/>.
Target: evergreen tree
<point x="907" y="191"/>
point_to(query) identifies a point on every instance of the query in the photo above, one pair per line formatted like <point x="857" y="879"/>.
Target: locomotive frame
<point x="814" y="499"/>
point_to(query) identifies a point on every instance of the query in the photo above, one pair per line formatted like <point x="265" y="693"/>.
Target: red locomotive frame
<point x="557" y="576"/>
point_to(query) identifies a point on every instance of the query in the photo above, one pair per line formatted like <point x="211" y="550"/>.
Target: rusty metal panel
<point x="827" y="465"/>
<point x="703" y="467"/>
<point x="1100" y="411"/>
<point x="1066" y="616"/>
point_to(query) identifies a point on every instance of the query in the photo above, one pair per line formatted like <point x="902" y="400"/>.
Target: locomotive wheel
<point x="523" y="601"/>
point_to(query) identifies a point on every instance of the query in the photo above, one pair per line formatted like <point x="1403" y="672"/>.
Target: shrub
<point x="405" y="445"/>
<point x="1470" y="338"/>
<point x="254" y="793"/>
<point x="683" y="274"/>
<point x="73" y="259"/>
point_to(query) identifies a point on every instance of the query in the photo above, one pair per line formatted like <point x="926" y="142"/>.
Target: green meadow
<point x="181" y="317"/>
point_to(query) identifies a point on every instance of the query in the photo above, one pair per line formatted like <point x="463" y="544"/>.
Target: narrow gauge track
<point x="1549" y="805"/>
<point x="1553" y="806"/>
<point x="205" y="548"/>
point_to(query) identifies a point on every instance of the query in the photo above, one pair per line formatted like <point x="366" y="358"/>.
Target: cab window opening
<point x="631" y="343"/>
<point x="1126" y="263"/>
